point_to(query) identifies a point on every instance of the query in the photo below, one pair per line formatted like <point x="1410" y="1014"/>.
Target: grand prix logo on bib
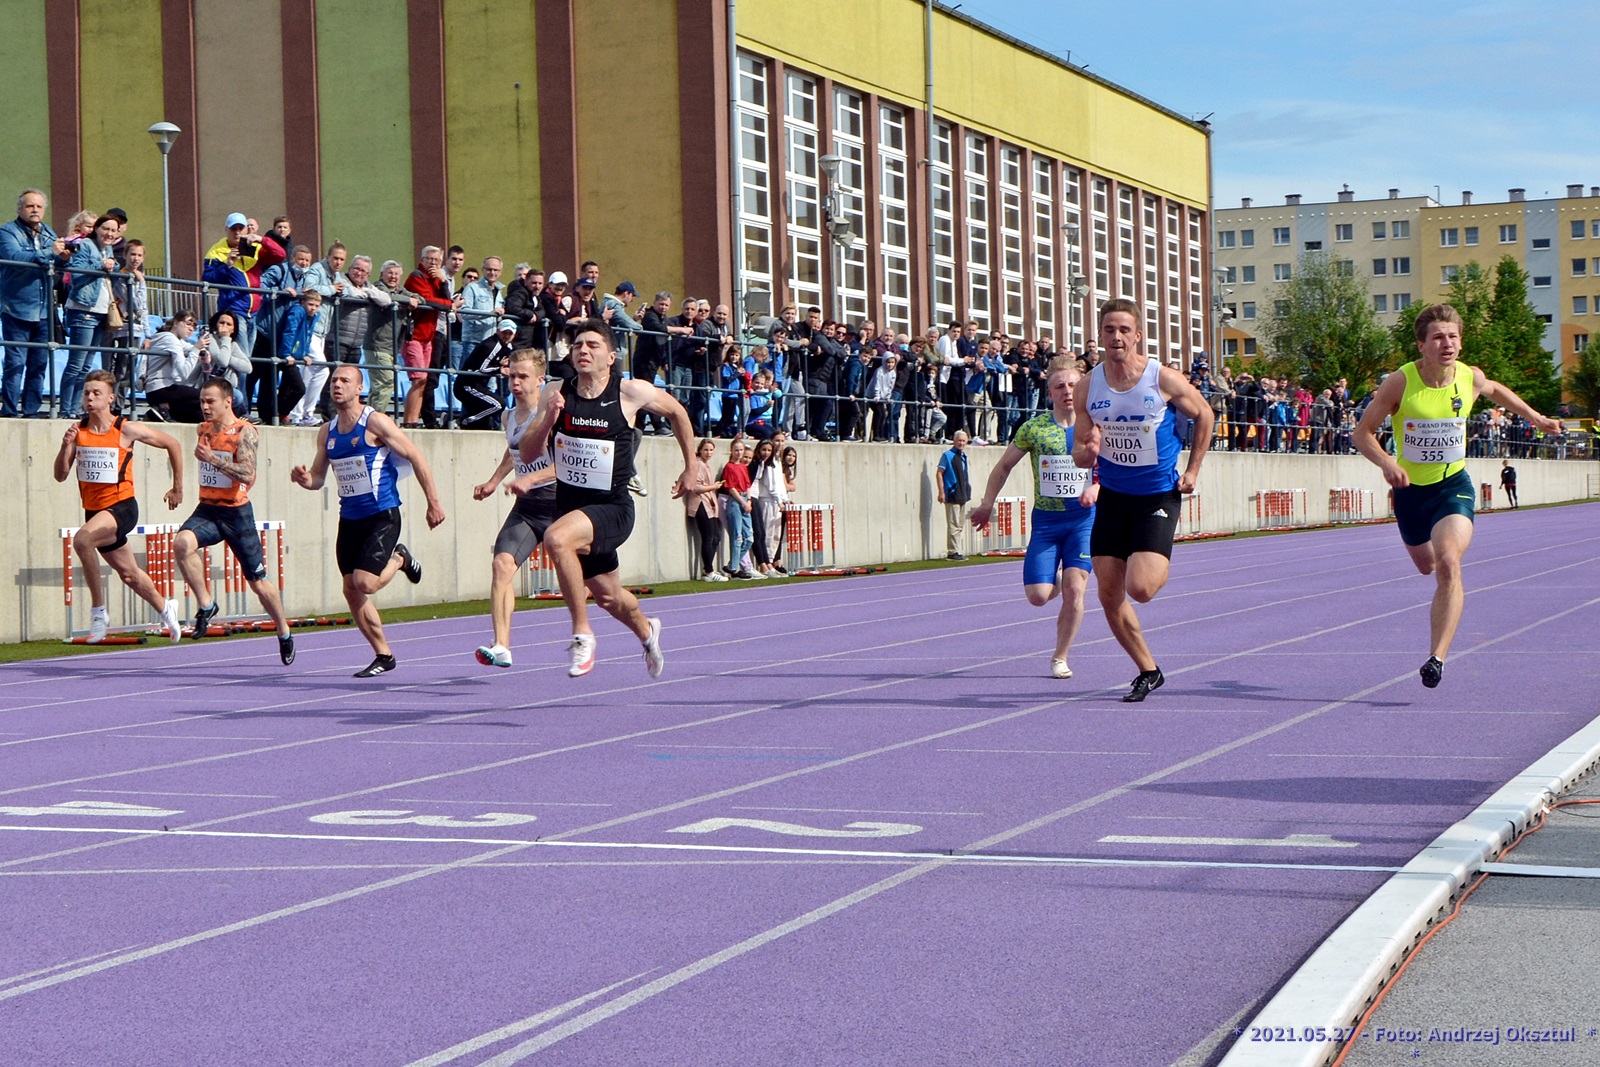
<point x="584" y="463"/>
<point x="1061" y="478"/>
<point x="97" y="466"/>
<point x="1129" y="444"/>
<point x="1434" y="440"/>
<point x="353" y="475"/>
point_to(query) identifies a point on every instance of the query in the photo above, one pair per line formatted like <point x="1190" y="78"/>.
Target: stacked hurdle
<point x="159" y="563"/>
<point x="1007" y="531"/>
<point x="810" y="539"/>
<point x="1191" y="523"/>
<point x="1351" y="506"/>
<point x="1280" y="509"/>
<point x="539" y="577"/>
<point x="232" y="594"/>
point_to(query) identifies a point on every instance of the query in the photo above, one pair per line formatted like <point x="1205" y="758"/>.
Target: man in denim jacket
<point x="24" y="308"/>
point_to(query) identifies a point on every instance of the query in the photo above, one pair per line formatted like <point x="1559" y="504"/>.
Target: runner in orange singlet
<point x="100" y="448"/>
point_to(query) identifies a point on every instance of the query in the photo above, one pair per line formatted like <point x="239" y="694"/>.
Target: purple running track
<point x="856" y="822"/>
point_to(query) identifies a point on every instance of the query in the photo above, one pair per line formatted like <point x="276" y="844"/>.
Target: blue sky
<point x="1307" y="97"/>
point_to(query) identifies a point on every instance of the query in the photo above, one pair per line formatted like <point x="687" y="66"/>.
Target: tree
<point x="1501" y="333"/>
<point x="1329" y="330"/>
<point x="1583" y="381"/>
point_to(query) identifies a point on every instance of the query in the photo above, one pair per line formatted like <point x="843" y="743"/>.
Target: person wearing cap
<point x="555" y="306"/>
<point x="235" y="261"/>
<point x="476" y="388"/>
<point x="614" y="309"/>
<point x="584" y="303"/>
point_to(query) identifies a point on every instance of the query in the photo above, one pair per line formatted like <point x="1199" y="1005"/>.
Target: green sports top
<point x="1057" y="481"/>
<point x="1431" y="426"/>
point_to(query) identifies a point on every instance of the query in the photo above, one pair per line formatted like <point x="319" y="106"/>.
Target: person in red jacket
<point x="432" y="287"/>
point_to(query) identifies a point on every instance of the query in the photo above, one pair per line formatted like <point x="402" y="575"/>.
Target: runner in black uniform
<point x="588" y="420"/>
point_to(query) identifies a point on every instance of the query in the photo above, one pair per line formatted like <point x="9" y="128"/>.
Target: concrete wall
<point x="884" y="496"/>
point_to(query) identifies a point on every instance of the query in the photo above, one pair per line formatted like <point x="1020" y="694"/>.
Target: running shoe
<point x="379" y="665"/>
<point x="494" y="656"/>
<point x="1147" y="683"/>
<point x="655" y="660"/>
<point x="408" y="564"/>
<point x="581" y="654"/>
<point x="202" y="620"/>
<point x="713" y="576"/>
<point x="170" y="621"/>
<point x="636" y="487"/>
<point x="1432" y="672"/>
<point x="99" y="623"/>
<point x="286" y="649"/>
<point x="1059" y="669"/>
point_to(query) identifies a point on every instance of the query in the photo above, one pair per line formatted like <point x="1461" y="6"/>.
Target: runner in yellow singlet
<point x="1430" y="400"/>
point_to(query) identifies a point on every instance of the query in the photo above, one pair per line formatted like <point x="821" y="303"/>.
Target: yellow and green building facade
<point x="683" y="144"/>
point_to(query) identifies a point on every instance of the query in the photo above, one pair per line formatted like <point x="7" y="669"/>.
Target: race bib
<point x="1129" y="444"/>
<point x="353" y="476"/>
<point x="1061" y="478"/>
<point x="97" y="466"/>
<point x="1434" y="440"/>
<point x="583" y="462"/>
<point x="537" y="465"/>
<point x="212" y="478"/>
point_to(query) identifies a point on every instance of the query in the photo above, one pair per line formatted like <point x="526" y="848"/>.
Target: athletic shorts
<point x="212" y="523"/>
<point x="417" y="356"/>
<point x="367" y="544"/>
<point x="126" y="515"/>
<point x="1059" y="539"/>
<point x="1418" y="507"/>
<point x="523" y="530"/>
<point x="1125" y="523"/>
<point x="612" y="524"/>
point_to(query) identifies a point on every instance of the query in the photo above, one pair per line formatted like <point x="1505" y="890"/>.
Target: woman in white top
<point x="228" y="358"/>
<point x="174" y="368"/>
<point x="770" y="493"/>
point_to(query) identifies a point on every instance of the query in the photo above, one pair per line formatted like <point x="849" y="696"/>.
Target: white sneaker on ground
<point x="713" y="576"/>
<point x="1059" y="669"/>
<point x="494" y="656"/>
<point x="581" y="654"/>
<point x="169" y="620"/>
<point x="99" y="623"/>
<point x="655" y="660"/>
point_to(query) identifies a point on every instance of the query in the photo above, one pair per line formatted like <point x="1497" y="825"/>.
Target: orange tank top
<point x="105" y="467"/>
<point x="219" y="487"/>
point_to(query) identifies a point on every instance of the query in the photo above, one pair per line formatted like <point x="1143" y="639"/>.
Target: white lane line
<point x="506" y="803"/>
<point x="1370" y="756"/>
<point x="154" y="793"/>
<point x="1046" y="751"/>
<point x="521" y="1026"/>
<point x="62" y="966"/>
<point x="763" y="748"/>
<point x="191" y="737"/>
<point x="473" y="744"/>
<point x="851" y="811"/>
<point x="1287" y="841"/>
<point x="245" y="924"/>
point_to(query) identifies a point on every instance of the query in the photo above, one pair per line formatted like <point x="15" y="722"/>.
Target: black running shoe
<point x="286" y="650"/>
<point x="379" y="665"/>
<point x="1147" y="683"/>
<point x="1432" y="671"/>
<point x="408" y="564"/>
<point x="202" y="620"/>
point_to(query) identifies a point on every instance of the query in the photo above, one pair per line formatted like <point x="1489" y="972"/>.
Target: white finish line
<point x="918" y="857"/>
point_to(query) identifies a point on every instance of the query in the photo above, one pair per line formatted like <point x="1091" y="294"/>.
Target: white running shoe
<point x="581" y="653"/>
<point x="655" y="660"/>
<point x="99" y="623"/>
<point x="494" y="656"/>
<point x="1059" y="669"/>
<point x="169" y="620"/>
<point x="713" y="576"/>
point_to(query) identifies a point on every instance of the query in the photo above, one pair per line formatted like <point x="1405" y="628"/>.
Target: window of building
<point x="1197" y="320"/>
<point x="1072" y="215"/>
<point x="1380" y="231"/>
<point x="1247" y="238"/>
<point x="1580" y="267"/>
<point x="754" y="170"/>
<point x="894" y="234"/>
<point x="1230" y="346"/>
<point x="1471" y="235"/>
<point x="1230" y="275"/>
<point x="1577" y="229"/>
<point x="1281" y="272"/>
<point x="1172" y="273"/>
<point x="1101" y="247"/>
<point x="1150" y="236"/>
<point x="1380" y="267"/>
<point x="1313" y="246"/>
<point x="1225" y="239"/>
<point x="1249" y="346"/>
<point x="1541" y="281"/>
<point x="1449" y="237"/>
<point x="1380" y="303"/>
<point x="1400" y="229"/>
<point x="1125" y="262"/>
<point x="1539" y="243"/>
<point x="1280" y="308"/>
<point x="1402" y="301"/>
<point x="1594" y="227"/>
<point x="1280" y="235"/>
<point x="1344" y="231"/>
<point x="1247" y="275"/>
<point x="803" y="184"/>
<point x="942" y="181"/>
<point x="975" y="182"/>
<point x="1508" y="234"/>
<point x="1449" y="273"/>
<point x="1044" y="245"/>
<point x="1580" y="305"/>
<point x="1011" y="239"/>
<point x="1247" y="309"/>
<point x="1400" y="265"/>
<point x="1345" y="268"/>
<point x="849" y="141"/>
<point x="1580" y="343"/>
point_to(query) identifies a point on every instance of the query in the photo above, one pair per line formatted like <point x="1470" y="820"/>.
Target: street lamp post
<point x="1220" y="313"/>
<point x="839" y="232"/>
<point x="165" y="135"/>
<point x="1077" y="284"/>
